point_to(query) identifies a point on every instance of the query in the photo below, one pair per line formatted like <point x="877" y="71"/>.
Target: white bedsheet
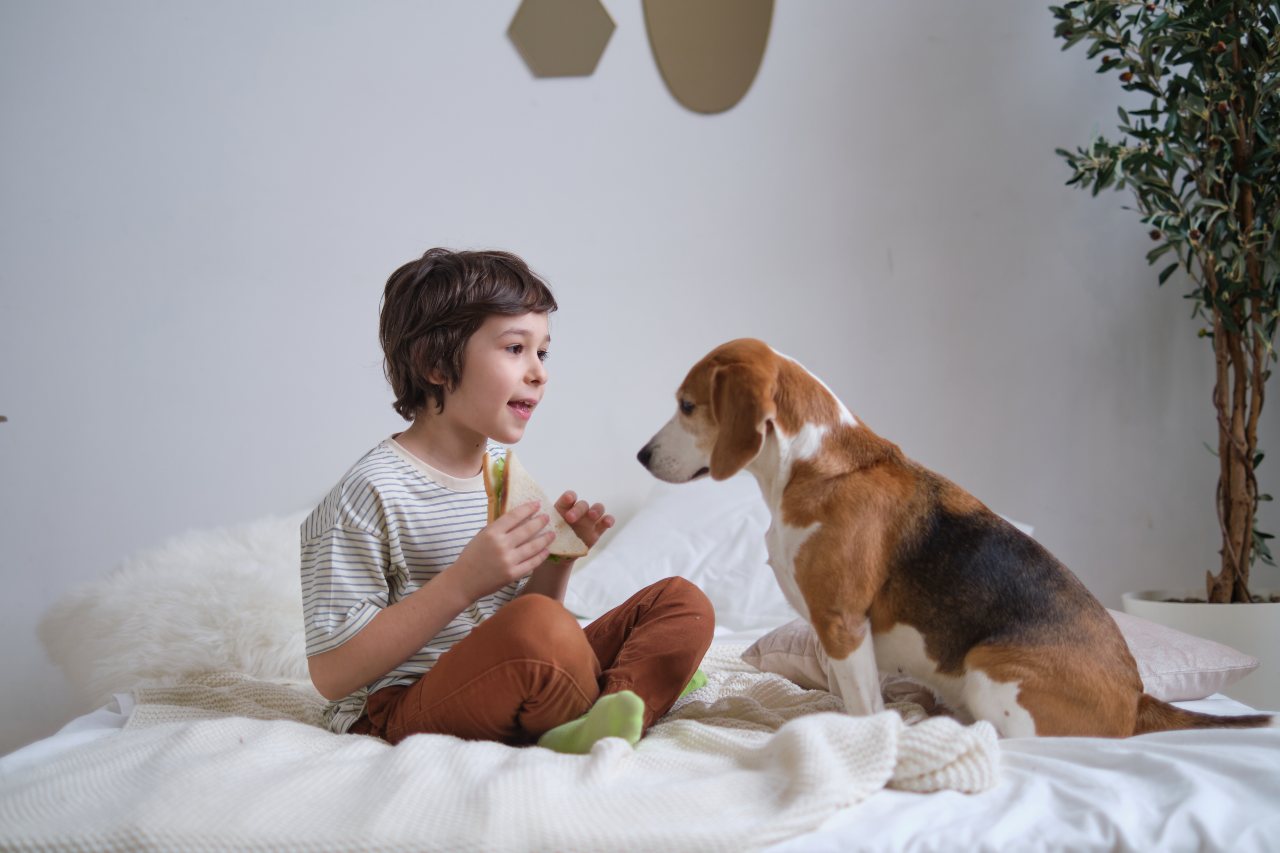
<point x="1209" y="790"/>
<point x="82" y="730"/>
<point x="1194" y="791"/>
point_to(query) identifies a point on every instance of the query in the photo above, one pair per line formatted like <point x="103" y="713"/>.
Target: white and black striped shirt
<point x="390" y="525"/>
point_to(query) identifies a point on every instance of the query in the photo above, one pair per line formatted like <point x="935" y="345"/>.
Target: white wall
<point x="201" y="202"/>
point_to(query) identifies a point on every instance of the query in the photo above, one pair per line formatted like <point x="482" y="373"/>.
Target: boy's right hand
<point x="506" y="550"/>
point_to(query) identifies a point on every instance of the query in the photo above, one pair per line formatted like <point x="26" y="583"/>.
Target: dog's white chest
<point x="772" y="469"/>
<point x="783" y="543"/>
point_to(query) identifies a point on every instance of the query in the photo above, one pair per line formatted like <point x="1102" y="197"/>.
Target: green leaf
<point x="1261" y="550"/>
<point x="1156" y="253"/>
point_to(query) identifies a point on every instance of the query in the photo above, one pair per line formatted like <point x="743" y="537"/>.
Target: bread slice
<point x="493" y="471"/>
<point x="511" y="484"/>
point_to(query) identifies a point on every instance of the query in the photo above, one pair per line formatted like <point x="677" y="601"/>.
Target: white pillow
<point x="708" y="532"/>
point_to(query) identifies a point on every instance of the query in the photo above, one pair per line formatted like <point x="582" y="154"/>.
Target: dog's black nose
<point x="645" y="454"/>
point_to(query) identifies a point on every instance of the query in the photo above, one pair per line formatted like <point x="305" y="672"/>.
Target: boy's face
<point x="503" y="377"/>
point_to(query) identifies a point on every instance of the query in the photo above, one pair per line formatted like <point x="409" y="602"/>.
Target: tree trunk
<point x="1236" y="504"/>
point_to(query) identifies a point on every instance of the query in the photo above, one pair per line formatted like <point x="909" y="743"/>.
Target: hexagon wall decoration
<point x="561" y="38"/>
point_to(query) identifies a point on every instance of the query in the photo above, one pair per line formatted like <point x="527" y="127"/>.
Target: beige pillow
<point x="1174" y="666"/>
<point x="1177" y="666"/>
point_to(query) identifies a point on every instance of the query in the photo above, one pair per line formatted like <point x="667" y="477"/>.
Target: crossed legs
<point x="530" y="668"/>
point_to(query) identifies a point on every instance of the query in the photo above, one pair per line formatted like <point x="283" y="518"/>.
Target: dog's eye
<point x="686" y="408"/>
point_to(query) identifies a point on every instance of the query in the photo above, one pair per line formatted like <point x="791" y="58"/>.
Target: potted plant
<point x="1203" y="162"/>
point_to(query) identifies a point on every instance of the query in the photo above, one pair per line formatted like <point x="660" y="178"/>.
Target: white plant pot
<point x="1251" y="628"/>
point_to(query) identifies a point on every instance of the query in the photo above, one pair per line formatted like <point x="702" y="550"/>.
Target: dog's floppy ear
<point x="742" y="405"/>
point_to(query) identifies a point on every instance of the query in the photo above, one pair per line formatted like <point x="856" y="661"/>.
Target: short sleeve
<point x="344" y="585"/>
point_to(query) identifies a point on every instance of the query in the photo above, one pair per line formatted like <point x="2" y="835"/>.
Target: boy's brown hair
<point x="432" y="306"/>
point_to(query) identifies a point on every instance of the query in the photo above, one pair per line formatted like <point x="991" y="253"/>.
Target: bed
<point x="204" y="735"/>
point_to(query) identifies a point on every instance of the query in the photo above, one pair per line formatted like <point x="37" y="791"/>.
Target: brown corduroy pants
<point x="530" y="667"/>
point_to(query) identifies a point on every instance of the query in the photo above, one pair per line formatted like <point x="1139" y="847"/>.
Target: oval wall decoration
<point x="708" y="50"/>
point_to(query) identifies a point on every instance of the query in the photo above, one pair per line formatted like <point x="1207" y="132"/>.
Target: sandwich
<point x="508" y="484"/>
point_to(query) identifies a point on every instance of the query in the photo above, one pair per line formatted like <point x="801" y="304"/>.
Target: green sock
<point x="613" y="715"/>
<point x="699" y="679"/>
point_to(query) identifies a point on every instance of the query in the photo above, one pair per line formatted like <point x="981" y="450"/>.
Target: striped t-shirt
<point x="390" y="525"/>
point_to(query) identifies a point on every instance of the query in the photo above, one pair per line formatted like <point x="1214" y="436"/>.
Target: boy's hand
<point x="506" y="550"/>
<point x="589" y="522"/>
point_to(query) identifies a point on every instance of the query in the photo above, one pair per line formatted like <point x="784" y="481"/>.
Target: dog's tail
<point x="1157" y="716"/>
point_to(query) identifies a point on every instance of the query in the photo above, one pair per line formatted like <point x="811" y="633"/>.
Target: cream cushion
<point x="1175" y="666"/>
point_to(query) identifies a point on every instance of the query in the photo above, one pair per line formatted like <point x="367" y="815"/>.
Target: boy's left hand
<point x="588" y="521"/>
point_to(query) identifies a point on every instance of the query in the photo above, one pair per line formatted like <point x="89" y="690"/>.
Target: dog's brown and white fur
<point x="955" y="596"/>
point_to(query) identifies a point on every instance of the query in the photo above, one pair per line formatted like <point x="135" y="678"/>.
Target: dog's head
<point x="724" y="408"/>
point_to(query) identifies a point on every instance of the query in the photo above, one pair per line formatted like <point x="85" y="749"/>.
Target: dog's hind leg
<point x="997" y="703"/>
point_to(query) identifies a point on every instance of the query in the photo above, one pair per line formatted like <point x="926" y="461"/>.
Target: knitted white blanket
<point x="745" y="761"/>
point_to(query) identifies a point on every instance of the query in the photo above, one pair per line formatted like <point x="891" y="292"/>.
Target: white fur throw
<point x="225" y="600"/>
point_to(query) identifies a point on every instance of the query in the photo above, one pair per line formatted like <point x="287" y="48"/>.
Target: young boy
<point x="420" y="616"/>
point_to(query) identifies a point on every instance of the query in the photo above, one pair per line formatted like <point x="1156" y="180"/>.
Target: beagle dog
<point x="898" y="569"/>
